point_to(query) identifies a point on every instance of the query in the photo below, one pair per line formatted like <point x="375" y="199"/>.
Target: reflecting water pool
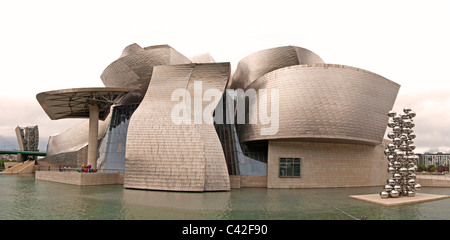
<point x="23" y="197"/>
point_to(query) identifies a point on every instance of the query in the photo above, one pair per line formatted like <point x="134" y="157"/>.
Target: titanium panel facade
<point x="133" y="69"/>
<point x="331" y="117"/>
<point x="326" y="102"/>
<point x="259" y="63"/>
<point x="163" y="155"/>
<point x="69" y="148"/>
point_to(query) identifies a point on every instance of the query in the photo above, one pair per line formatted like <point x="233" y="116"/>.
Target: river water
<point x="24" y="198"/>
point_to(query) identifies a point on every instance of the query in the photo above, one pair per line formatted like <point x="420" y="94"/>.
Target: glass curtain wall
<point x="111" y="152"/>
<point x="241" y="158"/>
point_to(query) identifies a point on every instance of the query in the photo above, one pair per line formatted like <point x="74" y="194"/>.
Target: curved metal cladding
<point x="259" y="63"/>
<point x="163" y="154"/>
<point x="325" y="102"/>
<point x="74" y="138"/>
<point x="134" y="67"/>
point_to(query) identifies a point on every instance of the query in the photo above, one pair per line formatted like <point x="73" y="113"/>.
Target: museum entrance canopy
<point x="74" y="102"/>
<point x="92" y="103"/>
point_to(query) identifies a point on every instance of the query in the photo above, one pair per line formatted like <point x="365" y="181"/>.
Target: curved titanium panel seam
<point x="356" y="99"/>
<point x="259" y="63"/>
<point x="186" y="157"/>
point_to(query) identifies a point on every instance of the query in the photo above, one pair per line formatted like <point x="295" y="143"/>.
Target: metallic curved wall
<point x="326" y="102"/>
<point x="133" y="69"/>
<point x="163" y="155"/>
<point x="74" y="138"/>
<point x="257" y="64"/>
<point x="69" y="148"/>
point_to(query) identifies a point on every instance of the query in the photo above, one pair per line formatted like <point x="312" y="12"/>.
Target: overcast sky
<point x="49" y="45"/>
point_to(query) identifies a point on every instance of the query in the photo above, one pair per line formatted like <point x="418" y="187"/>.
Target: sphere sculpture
<point x="400" y="154"/>
<point x="87" y="168"/>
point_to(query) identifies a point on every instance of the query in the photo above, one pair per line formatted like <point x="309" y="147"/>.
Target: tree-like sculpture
<point x="400" y="154"/>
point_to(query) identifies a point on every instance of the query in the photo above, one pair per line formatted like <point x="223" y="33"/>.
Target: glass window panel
<point x="289" y="167"/>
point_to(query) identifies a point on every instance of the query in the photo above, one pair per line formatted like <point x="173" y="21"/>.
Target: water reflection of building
<point x="332" y="119"/>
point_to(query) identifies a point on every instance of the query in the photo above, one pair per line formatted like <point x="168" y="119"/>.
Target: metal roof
<point x="74" y="102"/>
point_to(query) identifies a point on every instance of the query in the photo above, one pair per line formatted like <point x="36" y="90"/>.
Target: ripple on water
<point x="21" y="197"/>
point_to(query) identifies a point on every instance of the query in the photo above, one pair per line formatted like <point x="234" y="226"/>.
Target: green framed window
<point x="289" y="167"/>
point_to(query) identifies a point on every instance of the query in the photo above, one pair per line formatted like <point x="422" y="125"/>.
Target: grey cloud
<point x="432" y="120"/>
<point x="24" y="112"/>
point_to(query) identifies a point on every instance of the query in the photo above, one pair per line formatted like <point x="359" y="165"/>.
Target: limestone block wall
<point x="83" y="179"/>
<point x="248" y="181"/>
<point x="328" y="164"/>
<point x="163" y="155"/>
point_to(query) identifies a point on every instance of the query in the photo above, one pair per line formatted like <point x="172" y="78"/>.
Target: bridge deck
<point x="23" y="152"/>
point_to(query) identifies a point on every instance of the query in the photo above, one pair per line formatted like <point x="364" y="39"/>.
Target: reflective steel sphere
<point x="411" y="182"/>
<point x="412" y="135"/>
<point x="387" y="152"/>
<point x="384" y="194"/>
<point x="412" y="147"/>
<point x="411" y="193"/>
<point x="418" y="187"/>
<point x="403" y="170"/>
<point x="392" y="182"/>
<point x="400" y="154"/>
<point x="407" y="123"/>
<point x="404" y="147"/>
<point x="404" y="137"/>
<point x="391" y="158"/>
<point x="388" y="188"/>
<point x="392" y="113"/>
<point x="391" y="124"/>
<point x="406" y="110"/>
<point x="391" y="170"/>
<point x="397" y="176"/>
<point x="397" y="164"/>
<point x="394" y="193"/>
<point x="412" y="176"/>
<point x="397" y="129"/>
<point x="404" y="116"/>
<point x="412" y="114"/>
<point x="391" y="146"/>
<point x="391" y="135"/>
<point x="406" y="130"/>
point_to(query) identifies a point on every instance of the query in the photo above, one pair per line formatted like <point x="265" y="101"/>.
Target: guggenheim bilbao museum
<point x="282" y="119"/>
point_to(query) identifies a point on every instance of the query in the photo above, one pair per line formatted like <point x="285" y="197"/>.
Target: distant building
<point x="28" y="140"/>
<point x="434" y="159"/>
